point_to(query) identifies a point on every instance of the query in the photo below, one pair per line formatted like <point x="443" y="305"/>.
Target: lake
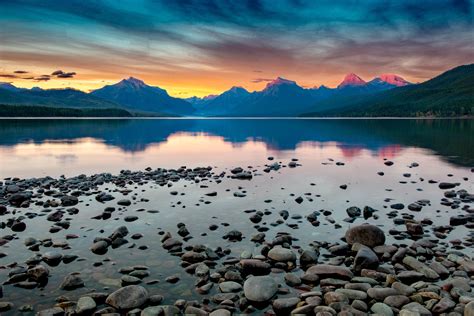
<point x="297" y="165"/>
<point x="71" y="147"/>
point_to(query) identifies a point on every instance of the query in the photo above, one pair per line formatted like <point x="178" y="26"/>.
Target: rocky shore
<point x="414" y="268"/>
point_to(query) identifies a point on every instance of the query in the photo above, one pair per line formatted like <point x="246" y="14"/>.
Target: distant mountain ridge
<point x="387" y="94"/>
<point x="134" y="94"/>
<point x="284" y="97"/>
<point x="449" y="94"/>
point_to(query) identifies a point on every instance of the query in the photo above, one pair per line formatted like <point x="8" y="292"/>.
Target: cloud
<point x="43" y="78"/>
<point x="258" y="80"/>
<point x="20" y="72"/>
<point x="62" y="74"/>
<point x="66" y="75"/>
<point x="214" y="38"/>
<point x="57" y="72"/>
<point x="8" y="76"/>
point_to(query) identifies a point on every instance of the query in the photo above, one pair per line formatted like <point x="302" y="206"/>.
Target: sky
<point x="202" y="47"/>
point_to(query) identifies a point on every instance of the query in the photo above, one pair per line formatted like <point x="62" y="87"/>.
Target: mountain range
<point x="450" y="94"/>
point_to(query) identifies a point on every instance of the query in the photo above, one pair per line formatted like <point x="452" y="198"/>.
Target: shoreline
<point x="237" y="118"/>
<point x="364" y="267"/>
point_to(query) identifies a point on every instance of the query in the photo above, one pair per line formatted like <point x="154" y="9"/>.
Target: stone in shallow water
<point x="260" y="288"/>
<point x="281" y="254"/>
<point x="128" y="297"/>
<point x="229" y="287"/>
<point x="85" y="305"/>
<point x="365" y="259"/>
<point x="72" y="282"/>
<point x="368" y="235"/>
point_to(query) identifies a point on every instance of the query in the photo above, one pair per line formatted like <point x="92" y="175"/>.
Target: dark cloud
<point x="57" y="72"/>
<point x="66" y="75"/>
<point x="62" y="74"/>
<point x="8" y="76"/>
<point x="20" y="72"/>
<point x="43" y="78"/>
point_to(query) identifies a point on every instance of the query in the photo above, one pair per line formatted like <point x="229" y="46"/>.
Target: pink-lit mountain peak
<point x="352" y="80"/>
<point x="394" y="80"/>
<point x="280" y="81"/>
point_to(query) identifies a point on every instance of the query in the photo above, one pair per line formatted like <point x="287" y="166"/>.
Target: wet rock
<point x="69" y="200"/>
<point x="444" y="305"/>
<point x="285" y="305"/>
<point x="380" y="293"/>
<point x="396" y="301"/>
<point x="292" y="279"/>
<point x="446" y="185"/>
<point x="354" y="211"/>
<point x="308" y="257"/>
<point x="230" y="287"/>
<point x="366" y="234"/>
<point x="124" y="202"/>
<point x="72" y="282"/>
<point x="52" y="258"/>
<point x="85" y="305"/>
<point x="421" y="268"/>
<point x="329" y="271"/>
<point x="365" y="259"/>
<point x="417" y="308"/>
<point x="38" y="273"/>
<point x="381" y="309"/>
<point x="128" y="297"/>
<point x="255" y="267"/>
<point x="5" y="306"/>
<point x="281" y="254"/>
<point x="260" y="288"/>
<point x="18" y="226"/>
<point x="220" y="312"/>
<point x="55" y="311"/>
<point x="233" y="235"/>
<point x="100" y="247"/>
<point x="469" y="309"/>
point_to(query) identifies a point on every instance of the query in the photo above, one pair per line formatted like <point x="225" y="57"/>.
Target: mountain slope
<point x="45" y="111"/>
<point x="134" y="94"/>
<point x="53" y="98"/>
<point x="449" y="94"/>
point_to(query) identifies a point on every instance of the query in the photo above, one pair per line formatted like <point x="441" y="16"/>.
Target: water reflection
<point x="80" y="142"/>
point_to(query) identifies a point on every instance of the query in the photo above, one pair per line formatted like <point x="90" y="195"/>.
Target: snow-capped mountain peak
<point x="394" y="80"/>
<point x="352" y="80"/>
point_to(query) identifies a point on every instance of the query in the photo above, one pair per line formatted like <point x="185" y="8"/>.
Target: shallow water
<point x="444" y="150"/>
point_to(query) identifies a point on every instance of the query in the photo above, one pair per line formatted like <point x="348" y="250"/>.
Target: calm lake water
<point x="54" y="147"/>
<point x="444" y="150"/>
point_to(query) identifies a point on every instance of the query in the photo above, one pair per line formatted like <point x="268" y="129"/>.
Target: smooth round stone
<point x="220" y="312"/>
<point x="229" y="287"/>
<point x="260" y="288"/>
<point x="469" y="309"/>
<point x="128" y="297"/>
<point x="396" y="300"/>
<point x="368" y="235"/>
<point x="85" y="305"/>
<point x="353" y="294"/>
<point x="417" y="308"/>
<point x="152" y="311"/>
<point x="100" y="247"/>
<point x="282" y="254"/>
<point x="128" y="279"/>
<point x="72" y="282"/>
<point x="381" y="309"/>
<point x="284" y="304"/>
